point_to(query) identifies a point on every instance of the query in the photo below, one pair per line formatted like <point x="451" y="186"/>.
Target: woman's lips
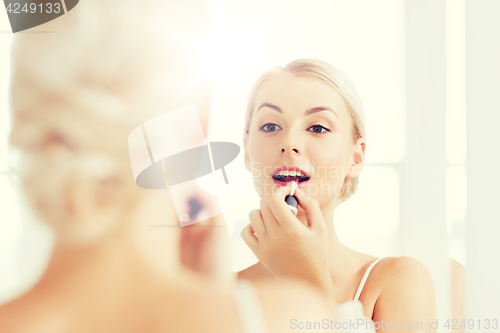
<point x="301" y="184"/>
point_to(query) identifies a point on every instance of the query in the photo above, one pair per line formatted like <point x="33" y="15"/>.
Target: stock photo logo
<point x="25" y="14"/>
<point x="205" y="179"/>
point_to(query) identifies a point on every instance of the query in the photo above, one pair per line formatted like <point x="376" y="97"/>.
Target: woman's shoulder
<point x="395" y="268"/>
<point x="403" y="271"/>
<point x="167" y="305"/>
<point x="171" y="309"/>
<point x="390" y="273"/>
<point x="403" y="280"/>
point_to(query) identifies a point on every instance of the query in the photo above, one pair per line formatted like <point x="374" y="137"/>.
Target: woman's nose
<point x="290" y="146"/>
<point x="293" y="150"/>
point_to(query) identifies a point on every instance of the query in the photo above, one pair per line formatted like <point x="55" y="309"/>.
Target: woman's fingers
<point x="312" y="209"/>
<point x="257" y="222"/>
<point x="269" y="220"/>
<point x="250" y="239"/>
<point x="255" y="232"/>
<point x="281" y="211"/>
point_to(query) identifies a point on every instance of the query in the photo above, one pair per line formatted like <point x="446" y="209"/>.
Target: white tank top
<point x="250" y="310"/>
<point x="365" y="277"/>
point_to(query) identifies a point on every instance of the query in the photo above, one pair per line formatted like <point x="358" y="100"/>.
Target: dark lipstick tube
<point x="292" y="200"/>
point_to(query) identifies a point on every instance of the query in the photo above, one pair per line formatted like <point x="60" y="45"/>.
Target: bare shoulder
<point x="397" y="269"/>
<point x="407" y="290"/>
<point x="393" y="273"/>
<point x="287" y="303"/>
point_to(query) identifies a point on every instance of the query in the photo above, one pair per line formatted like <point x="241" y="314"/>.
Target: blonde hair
<point x="325" y="72"/>
<point x="76" y="95"/>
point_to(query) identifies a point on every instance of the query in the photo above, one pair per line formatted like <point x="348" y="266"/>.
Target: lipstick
<point x="292" y="200"/>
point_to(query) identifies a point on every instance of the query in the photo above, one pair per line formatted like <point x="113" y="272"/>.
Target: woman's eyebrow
<point x="269" y="105"/>
<point x="320" y="108"/>
<point x="307" y="113"/>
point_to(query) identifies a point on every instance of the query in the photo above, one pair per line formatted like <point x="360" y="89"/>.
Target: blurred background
<point x="407" y="60"/>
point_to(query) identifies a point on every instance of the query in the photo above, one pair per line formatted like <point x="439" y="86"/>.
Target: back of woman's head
<point x="325" y="72"/>
<point x="78" y="92"/>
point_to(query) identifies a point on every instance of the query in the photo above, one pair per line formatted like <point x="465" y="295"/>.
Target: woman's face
<point x="301" y="124"/>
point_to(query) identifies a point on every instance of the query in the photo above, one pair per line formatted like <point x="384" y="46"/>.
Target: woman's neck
<point x="339" y="255"/>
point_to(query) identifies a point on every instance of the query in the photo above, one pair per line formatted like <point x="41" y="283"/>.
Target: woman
<point x="305" y="124"/>
<point x="76" y="96"/>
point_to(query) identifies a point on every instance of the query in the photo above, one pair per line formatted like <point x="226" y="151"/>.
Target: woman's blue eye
<point x="319" y="129"/>
<point x="269" y="127"/>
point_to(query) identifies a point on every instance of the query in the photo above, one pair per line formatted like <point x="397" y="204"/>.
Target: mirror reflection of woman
<point x="76" y="95"/>
<point x="305" y="123"/>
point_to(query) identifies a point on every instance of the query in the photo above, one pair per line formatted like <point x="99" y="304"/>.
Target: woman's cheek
<point x="256" y="169"/>
<point x="259" y="159"/>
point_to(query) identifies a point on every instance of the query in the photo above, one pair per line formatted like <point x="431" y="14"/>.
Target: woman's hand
<point x="285" y="246"/>
<point x="204" y="246"/>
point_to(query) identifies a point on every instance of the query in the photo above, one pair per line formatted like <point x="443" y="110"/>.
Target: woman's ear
<point x="357" y="159"/>
<point x="245" y="149"/>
